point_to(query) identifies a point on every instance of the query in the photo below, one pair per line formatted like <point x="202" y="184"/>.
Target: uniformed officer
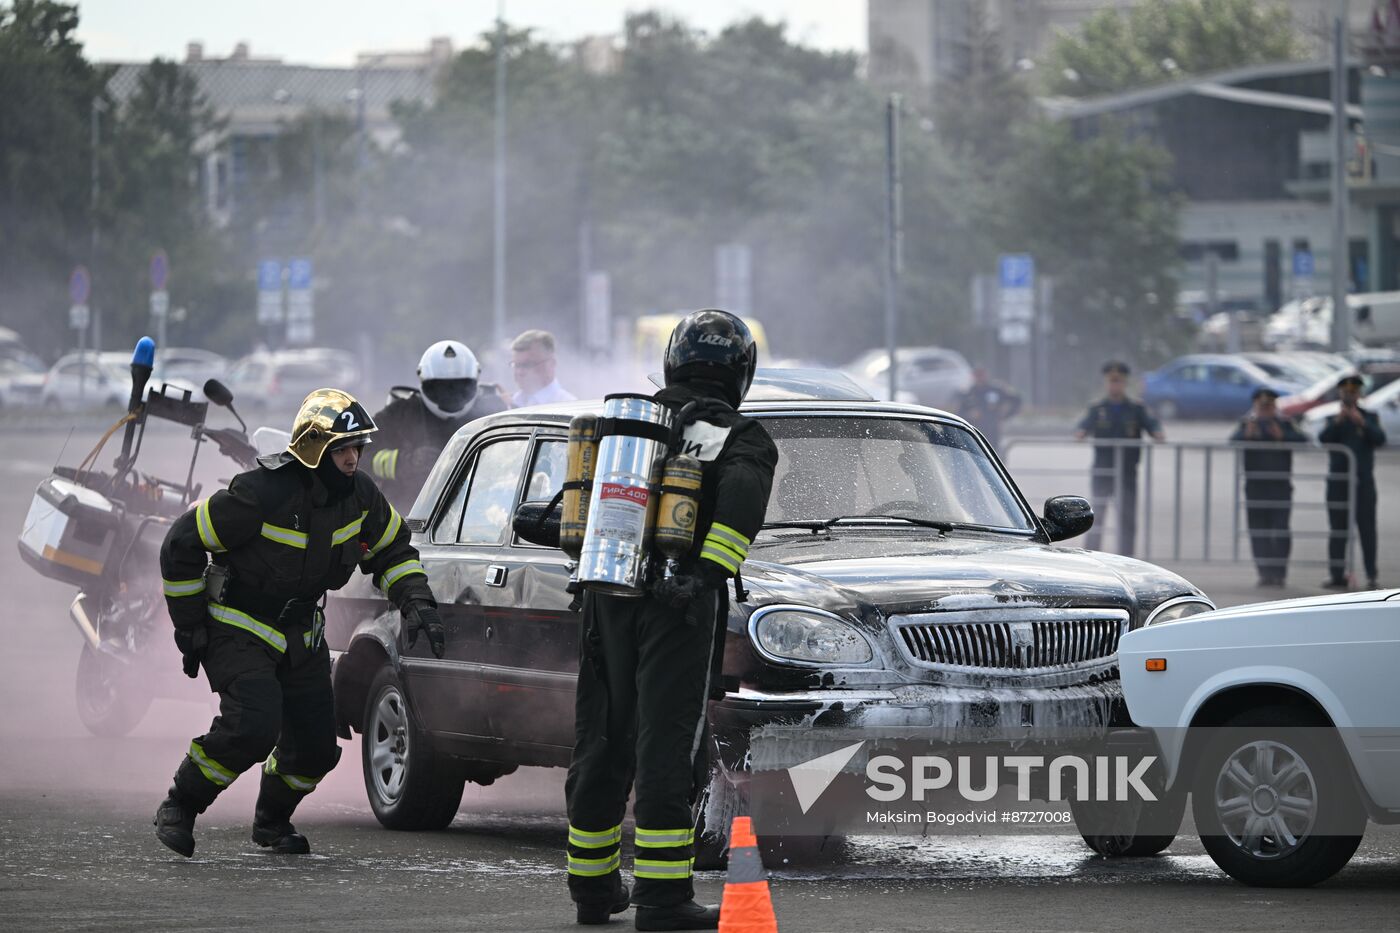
<point x="280" y="536"/>
<point x="1360" y="430"/>
<point x="416" y="425"/>
<point x="646" y="663"/>
<point x="1268" y="491"/>
<point x="987" y="403"/>
<point x="1115" y="467"/>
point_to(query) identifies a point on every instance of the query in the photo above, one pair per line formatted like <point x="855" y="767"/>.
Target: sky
<point x="330" y="32"/>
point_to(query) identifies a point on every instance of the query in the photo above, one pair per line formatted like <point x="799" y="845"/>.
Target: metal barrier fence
<point x="1191" y="495"/>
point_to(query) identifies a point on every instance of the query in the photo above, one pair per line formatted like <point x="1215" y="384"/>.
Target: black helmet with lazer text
<point x="713" y="345"/>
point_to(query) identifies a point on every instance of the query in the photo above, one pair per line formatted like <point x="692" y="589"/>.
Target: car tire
<point x="1167" y="811"/>
<point x="109" y="704"/>
<point x="1326" y="780"/>
<point x="410" y="786"/>
<point x="1168" y="410"/>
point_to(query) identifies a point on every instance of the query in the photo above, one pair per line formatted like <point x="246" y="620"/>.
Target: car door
<point x="530" y="637"/>
<point x="464" y="540"/>
<point x="1231" y="390"/>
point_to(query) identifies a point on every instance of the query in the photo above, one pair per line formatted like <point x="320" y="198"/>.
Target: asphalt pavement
<point x="77" y="850"/>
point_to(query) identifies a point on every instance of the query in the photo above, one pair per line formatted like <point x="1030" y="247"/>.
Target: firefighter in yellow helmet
<point x="245" y="574"/>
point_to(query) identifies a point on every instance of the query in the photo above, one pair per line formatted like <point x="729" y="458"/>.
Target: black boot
<point x="601" y="911"/>
<point x="174" y="823"/>
<point x="272" y="827"/>
<point x="686" y="916"/>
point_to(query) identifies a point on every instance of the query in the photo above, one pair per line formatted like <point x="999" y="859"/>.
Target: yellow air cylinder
<point x="578" y="483"/>
<point x="680" y="503"/>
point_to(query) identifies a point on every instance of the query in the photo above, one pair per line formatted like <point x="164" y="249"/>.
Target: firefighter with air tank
<point x="279" y="537"/>
<point x="663" y="498"/>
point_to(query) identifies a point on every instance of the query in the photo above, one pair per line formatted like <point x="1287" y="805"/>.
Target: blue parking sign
<point x="1016" y="270"/>
<point x="299" y="275"/>
<point x="1303" y="266"/>
<point x="270" y="275"/>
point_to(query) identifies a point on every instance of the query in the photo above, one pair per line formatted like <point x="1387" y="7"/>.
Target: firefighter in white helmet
<point x="417" y="423"/>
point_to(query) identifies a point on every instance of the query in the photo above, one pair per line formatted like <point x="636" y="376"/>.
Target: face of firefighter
<point x="346" y="459"/>
<point x="532" y="367"/>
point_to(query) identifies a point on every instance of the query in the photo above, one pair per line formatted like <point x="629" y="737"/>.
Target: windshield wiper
<point x="921" y="522"/>
<point x="812" y="524"/>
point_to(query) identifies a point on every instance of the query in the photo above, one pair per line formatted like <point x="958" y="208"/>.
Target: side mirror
<point x="218" y="393"/>
<point x="538" y="522"/>
<point x="1067" y="517"/>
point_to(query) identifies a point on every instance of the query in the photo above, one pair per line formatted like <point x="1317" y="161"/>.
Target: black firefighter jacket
<point x="737" y="458"/>
<point x="410" y="438"/>
<point x="282" y="536"/>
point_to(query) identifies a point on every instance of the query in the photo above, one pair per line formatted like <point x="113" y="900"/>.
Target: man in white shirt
<point x="532" y="362"/>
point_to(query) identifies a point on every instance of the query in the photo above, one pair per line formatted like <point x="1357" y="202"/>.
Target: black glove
<point x="425" y="616"/>
<point x="193" y="642"/>
<point x="682" y="589"/>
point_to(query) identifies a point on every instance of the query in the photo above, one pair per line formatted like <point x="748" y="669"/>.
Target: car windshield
<point x="838" y="467"/>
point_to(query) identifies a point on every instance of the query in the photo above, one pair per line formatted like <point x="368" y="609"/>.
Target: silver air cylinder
<point x="622" y="507"/>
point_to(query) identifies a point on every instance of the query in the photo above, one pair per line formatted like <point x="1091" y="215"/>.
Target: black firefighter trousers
<point x="274" y="706"/>
<point x="644" y="672"/>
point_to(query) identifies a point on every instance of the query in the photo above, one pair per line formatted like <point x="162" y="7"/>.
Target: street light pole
<point x="96" y="185"/>
<point x="498" y="270"/>
<point x="1341" y="252"/>
<point x="893" y="237"/>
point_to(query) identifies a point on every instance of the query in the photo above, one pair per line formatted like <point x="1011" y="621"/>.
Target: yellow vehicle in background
<point x="651" y="333"/>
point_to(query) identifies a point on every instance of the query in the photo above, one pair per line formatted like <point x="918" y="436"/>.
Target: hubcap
<point x="1266" y="799"/>
<point x="388" y="738"/>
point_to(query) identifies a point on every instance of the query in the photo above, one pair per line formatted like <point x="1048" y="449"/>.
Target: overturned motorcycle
<point x="102" y="531"/>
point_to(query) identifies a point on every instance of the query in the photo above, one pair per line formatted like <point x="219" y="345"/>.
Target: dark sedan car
<point x="901" y="579"/>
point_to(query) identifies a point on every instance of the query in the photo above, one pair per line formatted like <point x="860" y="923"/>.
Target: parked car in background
<point x="1213" y="336"/>
<point x="1377" y="376"/>
<point x="276" y="382"/>
<point x="21" y="382"/>
<point x="935" y="376"/>
<point x="87" y="380"/>
<point x="1280" y="719"/>
<point x="1308" y="322"/>
<point x="1208" y="385"/>
<point x="1384" y="402"/>
<point x="188" y="366"/>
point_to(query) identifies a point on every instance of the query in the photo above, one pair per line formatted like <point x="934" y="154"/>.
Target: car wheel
<point x="1164" y="812"/>
<point x="1263" y="785"/>
<point x="1168" y="410"/>
<point x="109" y="703"/>
<point x="410" y="786"/>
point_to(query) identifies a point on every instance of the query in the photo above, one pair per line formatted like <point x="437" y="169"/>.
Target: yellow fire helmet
<point x="328" y="419"/>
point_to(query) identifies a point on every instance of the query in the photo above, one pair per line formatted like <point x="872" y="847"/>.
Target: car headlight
<point x="807" y="636"/>
<point x="1181" y="607"/>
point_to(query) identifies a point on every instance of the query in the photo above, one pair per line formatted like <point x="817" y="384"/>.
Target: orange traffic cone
<point x="747" y="906"/>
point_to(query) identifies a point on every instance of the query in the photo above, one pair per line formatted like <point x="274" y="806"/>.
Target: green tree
<point x="1160" y="40"/>
<point x="1101" y="221"/>
<point x="154" y="202"/>
<point x="47" y="90"/>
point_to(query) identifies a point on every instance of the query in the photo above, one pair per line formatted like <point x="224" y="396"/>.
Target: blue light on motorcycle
<point x="145" y="352"/>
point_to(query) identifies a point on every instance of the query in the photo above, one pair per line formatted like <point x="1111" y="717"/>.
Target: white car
<point x="935" y="375"/>
<point x="1385" y="402"/>
<point x="1283" y="722"/>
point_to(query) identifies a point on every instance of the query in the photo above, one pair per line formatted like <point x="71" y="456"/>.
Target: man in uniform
<point x="646" y="664"/>
<point x="1115" y="468"/>
<point x="416" y="425"/>
<point x="1268" y="491"/>
<point x="280" y="536"/>
<point x="987" y="403"/>
<point x="1360" y="430"/>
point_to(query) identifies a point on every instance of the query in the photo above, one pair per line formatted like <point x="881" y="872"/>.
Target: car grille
<point x="1024" y="641"/>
